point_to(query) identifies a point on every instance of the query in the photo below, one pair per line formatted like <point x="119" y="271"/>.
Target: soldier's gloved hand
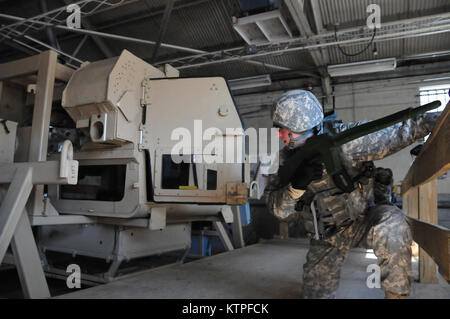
<point x="383" y="176"/>
<point x="307" y="172"/>
<point x="383" y="186"/>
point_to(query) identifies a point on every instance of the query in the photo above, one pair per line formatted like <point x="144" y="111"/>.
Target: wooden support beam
<point x="420" y="204"/>
<point x="427" y="213"/>
<point x="410" y="204"/>
<point x="415" y="206"/>
<point x="63" y="72"/>
<point x="419" y="189"/>
<point x="434" y="159"/>
<point x="20" y="67"/>
<point x="30" y="66"/>
<point x="435" y="240"/>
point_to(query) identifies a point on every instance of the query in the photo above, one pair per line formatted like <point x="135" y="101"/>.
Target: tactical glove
<point x="383" y="176"/>
<point x="383" y="185"/>
<point x="307" y="172"/>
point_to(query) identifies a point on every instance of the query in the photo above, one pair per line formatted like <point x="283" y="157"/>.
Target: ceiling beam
<point x="99" y="42"/>
<point x="129" y="39"/>
<point x="326" y="79"/>
<point x="19" y="47"/>
<point x="320" y="55"/>
<point x="120" y="4"/>
<point x="296" y="8"/>
<point x="163" y="28"/>
<point x="409" y="28"/>
<point x="51" y="37"/>
<point x="314" y="4"/>
<point x="154" y="12"/>
<point x="15" y="38"/>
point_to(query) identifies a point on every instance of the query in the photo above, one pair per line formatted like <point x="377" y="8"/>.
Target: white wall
<point x="356" y="102"/>
<point x="375" y="99"/>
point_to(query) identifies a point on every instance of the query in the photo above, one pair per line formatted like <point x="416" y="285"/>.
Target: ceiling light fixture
<point x="250" y="82"/>
<point x="362" y="67"/>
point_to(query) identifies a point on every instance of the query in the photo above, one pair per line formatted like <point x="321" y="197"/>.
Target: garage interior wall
<point x="368" y="100"/>
<point x="375" y="99"/>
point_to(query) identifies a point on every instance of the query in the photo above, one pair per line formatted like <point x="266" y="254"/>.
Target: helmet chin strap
<point x="318" y="129"/>
<point x="292" y="140"/>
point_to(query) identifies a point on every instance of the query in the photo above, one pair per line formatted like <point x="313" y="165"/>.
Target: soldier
<point x="364" y="217"/>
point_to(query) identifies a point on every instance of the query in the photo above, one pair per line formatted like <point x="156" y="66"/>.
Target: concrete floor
<point x="271" y="269"/>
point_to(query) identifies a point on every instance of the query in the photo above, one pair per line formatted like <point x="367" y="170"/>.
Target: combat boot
<point x="391" y="295"/>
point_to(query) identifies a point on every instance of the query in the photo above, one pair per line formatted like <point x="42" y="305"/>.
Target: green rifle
<point x="326" y="147"/>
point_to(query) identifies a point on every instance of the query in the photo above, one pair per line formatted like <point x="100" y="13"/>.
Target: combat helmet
<point x="298" y="111"/>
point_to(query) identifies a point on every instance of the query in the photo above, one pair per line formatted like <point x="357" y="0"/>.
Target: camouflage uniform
<point x="362" y="218"/>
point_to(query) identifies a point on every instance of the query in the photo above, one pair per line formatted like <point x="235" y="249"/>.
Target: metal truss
<point x="111" y="36"/>
<point x="401" y="29"/>
<point x="353" y="36"/>
<point x="56" y="16"/>
<point x="19" y="31"/>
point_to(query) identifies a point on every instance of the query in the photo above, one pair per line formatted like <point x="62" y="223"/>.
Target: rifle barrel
<point x="373" y="126"/>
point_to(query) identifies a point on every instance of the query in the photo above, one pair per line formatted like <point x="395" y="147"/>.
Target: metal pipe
<point x="386" y="37"/>
<point x="320" y="37"/>
<point x="434" y="18"/>
<point x="48" y="30"/>
<point x="99" y="42"/>
<point x="154" y="13"/>
<point x="163" y="28"/>
<point x="26" y="46"/>
<point x="43" y="44"/>
<point x="102" y="34"/>
<point x="81" y="3"/>
<point x="77" y="49"/>
<point x="136" y="40"/>
<point x="114" y="6"/>
<point x="425" y="55"/>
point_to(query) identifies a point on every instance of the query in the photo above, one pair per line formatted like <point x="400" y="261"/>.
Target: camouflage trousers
<point x="385" y="230"/>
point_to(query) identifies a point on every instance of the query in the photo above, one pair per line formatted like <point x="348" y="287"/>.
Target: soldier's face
<point x="298" y="138"/>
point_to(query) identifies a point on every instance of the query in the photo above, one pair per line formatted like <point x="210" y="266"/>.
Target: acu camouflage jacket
<point x="335" y="208"/>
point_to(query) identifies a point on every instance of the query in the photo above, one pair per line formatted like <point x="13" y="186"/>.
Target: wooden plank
<point x="63" y="72"/>
<point x="434" y="160"/>
<point x="20" y="67"/>
<point x="427" y="268"/>
<point x="419" y="189"/>
<point x="428" y="202"/>
<point x="411" y="203"/>
<point x="428" y="213"/>
<point x="411" y="208"/>
<point x="435" y="240"/>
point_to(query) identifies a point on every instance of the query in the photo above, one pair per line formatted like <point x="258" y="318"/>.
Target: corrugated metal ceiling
<point x="348" y="11"/>
<point x="206" y="25"/>
<point x="394" y="48"/>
